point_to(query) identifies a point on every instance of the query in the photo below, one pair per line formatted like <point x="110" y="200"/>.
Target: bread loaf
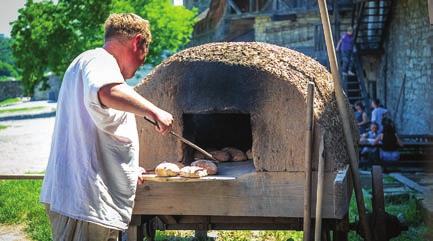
<point x="236" y="154"/>
<point x="209" y="166"/>
<point x="221" y="156"/>
<point x="167" y="169"/>
<point x="193" y="171"/>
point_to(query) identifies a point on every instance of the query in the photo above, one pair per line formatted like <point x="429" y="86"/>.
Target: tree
<point x="7" y="61"/>
<point x="47" y="36"/>
<point x="6" y="55"/>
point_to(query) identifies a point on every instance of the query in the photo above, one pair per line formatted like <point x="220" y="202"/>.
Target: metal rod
<point x="344" y="113"/>
<point x="308" y="154"/>
<point x="184" y="140"/>
<point x="319" y="195"/>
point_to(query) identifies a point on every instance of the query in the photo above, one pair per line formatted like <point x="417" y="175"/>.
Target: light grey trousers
<point x="68" y="229"/>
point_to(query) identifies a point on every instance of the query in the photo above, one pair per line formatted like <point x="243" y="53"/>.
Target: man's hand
<point x="141" y="171"/>
<point x="164" y="121"/>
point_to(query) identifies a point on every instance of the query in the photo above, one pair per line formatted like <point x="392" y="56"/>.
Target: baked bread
<point x="209" y="166"/>
<point x="167" y="169"/>
<point x="193" y="171"/>
<point x="221" y="156"/>
<point x="236" y="154"/>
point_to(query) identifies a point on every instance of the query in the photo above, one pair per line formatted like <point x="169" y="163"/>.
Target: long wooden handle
<point x="189" y="143"/>
<point x="319" y="192"/>
<point x="308" y="154"/>
<point x="344" y="113"/>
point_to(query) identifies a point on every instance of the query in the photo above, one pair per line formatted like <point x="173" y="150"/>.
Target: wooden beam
<point x="430" y="11"/>
<point x="235" y="7"/>
<point x="21" y="176"/>
<point x="408" y="182"/>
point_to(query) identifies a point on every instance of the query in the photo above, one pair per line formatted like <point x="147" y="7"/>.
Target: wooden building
<point x="394" y="38"/>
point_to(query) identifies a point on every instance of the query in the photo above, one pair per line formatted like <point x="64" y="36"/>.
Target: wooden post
<point x="319" y="196"/>
<point x="430" y="11"/>
<point x="308" y="154"/>
<point x="342" y="107"/>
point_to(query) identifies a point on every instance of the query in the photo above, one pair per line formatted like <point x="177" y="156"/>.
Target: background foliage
<point x="47" y="36"/>
<point x="7" y="61"/>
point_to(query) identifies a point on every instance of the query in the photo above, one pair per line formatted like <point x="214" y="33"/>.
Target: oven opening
<point x="216" y="131"/>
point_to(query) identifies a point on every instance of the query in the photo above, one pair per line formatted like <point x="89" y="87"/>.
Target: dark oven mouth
<point x="215" y="131"/>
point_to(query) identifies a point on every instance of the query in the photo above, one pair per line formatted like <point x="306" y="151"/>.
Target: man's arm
<point x="122" y="97"/>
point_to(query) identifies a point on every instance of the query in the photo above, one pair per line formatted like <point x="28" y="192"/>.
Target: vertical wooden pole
<point x="430" y="11"/>
<point x="344" y="113"/>
<point x="308" y="154"/>
<point x="319" y="196"/>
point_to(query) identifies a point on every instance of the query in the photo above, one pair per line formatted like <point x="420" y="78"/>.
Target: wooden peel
<point x="184" y="140"/>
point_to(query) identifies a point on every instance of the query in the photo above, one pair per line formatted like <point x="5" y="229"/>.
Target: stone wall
<point x="52" y="93"/>
<point x="408" y="54"/>
<point x="10" y="89"/>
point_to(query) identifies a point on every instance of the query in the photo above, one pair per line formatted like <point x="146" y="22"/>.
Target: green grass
<point x="19" y="204"/>
<point x="233" y="236"/>
<point x="2" y="127"/>
<point x="409" y="210"/>
<point x="23" y="109"/>
<point x="9" y="101"/>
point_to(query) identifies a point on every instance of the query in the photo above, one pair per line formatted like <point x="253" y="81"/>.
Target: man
<point x="92" y="173"/>
<point x="378" y="113"/>
<point x="345" y="45"/>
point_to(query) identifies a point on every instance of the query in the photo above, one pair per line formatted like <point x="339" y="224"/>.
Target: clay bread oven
<point x="249" y="96"/>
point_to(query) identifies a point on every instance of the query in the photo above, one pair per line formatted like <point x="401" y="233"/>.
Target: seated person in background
<point x="369" y="138"/>
<point x="361" y="117"/>
<point x="378" y="113"/>
<point x="390" y="142"/>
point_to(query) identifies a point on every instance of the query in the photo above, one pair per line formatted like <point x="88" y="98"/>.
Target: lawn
<point x="2" y="127"/>
<point x="23" y="109"/>
<point x="19" y="204"/>
<point x="9" y="101"/>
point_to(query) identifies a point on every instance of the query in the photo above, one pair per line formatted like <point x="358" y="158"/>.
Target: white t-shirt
<point x="92" y="170"/>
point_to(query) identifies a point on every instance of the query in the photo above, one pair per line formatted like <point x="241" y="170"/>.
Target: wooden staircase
<point x="370" y="19"/>
<point x="356" y="87"/>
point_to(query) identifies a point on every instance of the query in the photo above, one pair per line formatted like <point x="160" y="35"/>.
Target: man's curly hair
<point x="126" y="26"/>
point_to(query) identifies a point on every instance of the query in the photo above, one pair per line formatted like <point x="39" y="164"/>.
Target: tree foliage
<point x="7" y="61"/>
<point x="47" y="36"/>
<point x="6" y="50"/>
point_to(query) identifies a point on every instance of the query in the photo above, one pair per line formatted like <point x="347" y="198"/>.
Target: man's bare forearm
<point x="122" y="97"/>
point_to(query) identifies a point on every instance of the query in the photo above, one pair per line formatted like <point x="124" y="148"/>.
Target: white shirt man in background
<point x="378" y="113"/>
<point x="92" y="173"/>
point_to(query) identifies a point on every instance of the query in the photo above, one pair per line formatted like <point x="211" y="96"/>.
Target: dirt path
<point x="12" y="233"/>
<point x="25" y="145"/>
